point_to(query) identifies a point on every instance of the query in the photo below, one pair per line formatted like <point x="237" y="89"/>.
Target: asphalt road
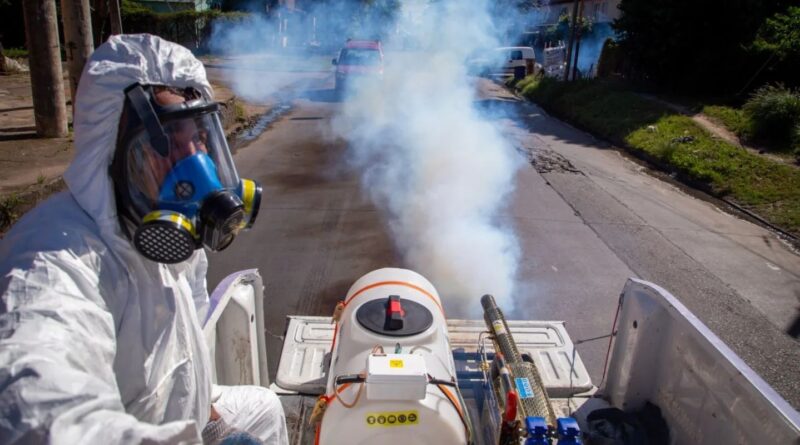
<point x="586" y="218"/>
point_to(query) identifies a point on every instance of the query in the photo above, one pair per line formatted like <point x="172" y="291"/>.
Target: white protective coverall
<point x="99" y="345"/>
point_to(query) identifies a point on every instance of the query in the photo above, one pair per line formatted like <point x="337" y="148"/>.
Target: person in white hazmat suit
<point x="103" y="285"/>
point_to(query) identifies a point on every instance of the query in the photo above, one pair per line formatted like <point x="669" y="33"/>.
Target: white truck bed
<point x="662" y="354"/>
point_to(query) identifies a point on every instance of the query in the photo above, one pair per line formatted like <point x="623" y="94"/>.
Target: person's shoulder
<point x="55" y="226"/>
<point x="58" y="213"/>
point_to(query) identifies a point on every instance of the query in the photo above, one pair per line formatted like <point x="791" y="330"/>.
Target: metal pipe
<point x="525" y="377"/>
<point x="496" y="323"/>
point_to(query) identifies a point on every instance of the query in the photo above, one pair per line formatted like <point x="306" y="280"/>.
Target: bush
<point x="189" y="28"/>
<point x="611" y="59"/>
<point x="133" y="7"/>
<point x="775" y="113"/>
<point x="16" y="53"/>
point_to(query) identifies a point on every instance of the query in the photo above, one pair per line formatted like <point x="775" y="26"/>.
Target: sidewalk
<point x="26" y="160"/>
<point x="31" y="167"/>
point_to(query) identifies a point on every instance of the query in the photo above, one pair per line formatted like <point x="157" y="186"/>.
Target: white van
<point x="518" y="61"/>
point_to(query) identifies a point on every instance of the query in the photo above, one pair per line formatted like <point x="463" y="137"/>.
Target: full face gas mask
<point x="176" y="186"/>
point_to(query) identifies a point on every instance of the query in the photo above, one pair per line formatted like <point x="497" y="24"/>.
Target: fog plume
<point x="438" y="167"/>
<point x="429" y="158"/>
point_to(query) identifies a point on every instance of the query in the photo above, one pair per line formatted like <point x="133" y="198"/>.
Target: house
<point x="541" y="22"/>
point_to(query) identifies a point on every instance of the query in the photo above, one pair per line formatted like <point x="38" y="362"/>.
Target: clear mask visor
<point x="198" y="162"/>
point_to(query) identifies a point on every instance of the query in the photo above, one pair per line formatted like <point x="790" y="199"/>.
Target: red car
<point x="359" y="59"/>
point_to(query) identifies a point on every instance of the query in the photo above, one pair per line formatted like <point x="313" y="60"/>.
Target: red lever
<point x="511" y="407"/>
<point x="395" y="308"/>
<point x="394" y="313"/>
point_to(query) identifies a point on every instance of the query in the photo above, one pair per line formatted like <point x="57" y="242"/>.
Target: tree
<point x="780" y="35"/>
<point x="694" y="45"/>
<point x="778" y="43"/>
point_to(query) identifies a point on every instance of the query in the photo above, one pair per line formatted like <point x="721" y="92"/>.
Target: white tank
<point x="397" y="404"/>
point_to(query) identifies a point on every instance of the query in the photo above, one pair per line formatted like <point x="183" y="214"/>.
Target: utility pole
<point x="77" y="39"/>
<point x="99" y="16"/>
<point x="115" y="16"/>
<point x="572" y="28"/>
<point x="577" y="43"/>
<point x="44" y="57"/>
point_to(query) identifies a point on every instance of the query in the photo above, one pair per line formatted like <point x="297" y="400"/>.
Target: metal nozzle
<point x="536" y="404"/>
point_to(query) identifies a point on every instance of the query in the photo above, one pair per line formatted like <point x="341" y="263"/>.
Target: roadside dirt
<point x="26" y="160"/>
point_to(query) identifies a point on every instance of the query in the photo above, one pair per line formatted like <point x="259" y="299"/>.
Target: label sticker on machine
<point x="395" y="363"/>
<point x="499" y="327"/>
<point x="394" y="418"/>
<point x="524" y="388"/>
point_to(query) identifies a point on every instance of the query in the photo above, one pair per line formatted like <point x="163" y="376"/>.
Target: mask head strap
<point x="141" y="104"/>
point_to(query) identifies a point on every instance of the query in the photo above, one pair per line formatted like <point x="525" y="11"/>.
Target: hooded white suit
<point x="98" y="344"/>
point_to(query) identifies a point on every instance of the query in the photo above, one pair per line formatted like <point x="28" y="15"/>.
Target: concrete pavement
<point x="739" y="278"/>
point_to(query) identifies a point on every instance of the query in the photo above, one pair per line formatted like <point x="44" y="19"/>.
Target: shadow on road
<point x="4" y="110"/>
<point x="17" y="134"/>
<point x="794" y="329"/>
<point x="534" y="119"/>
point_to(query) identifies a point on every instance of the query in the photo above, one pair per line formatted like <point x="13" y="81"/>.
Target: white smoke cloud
<point x="440" y="169"/>
<point x="245" y="61"/>
<point x="428" y="157"/>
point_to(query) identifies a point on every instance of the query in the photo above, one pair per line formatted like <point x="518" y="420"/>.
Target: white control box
<point x="396" y="377"/>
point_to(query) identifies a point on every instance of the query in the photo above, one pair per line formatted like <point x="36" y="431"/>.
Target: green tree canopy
<point x="780" y="34"/>
<point x="697" y="45"/>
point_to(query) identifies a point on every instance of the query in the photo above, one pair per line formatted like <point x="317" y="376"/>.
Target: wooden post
<point x="571" y="41"/>
<point x="115" y="16"/>
<point x="44" y="57"/>
<point x="77" y="39"/>
<point x="577" y="42"/>
<point x="99" y="21"/>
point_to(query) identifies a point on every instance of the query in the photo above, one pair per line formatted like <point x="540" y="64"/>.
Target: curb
<point x="795" y="240"/>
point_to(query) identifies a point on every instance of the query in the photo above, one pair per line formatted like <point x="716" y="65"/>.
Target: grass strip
<point x="648" y="128"/>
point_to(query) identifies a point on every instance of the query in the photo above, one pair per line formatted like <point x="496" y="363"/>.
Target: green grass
<point x="9" y="211"/>
<point x="14" y="205"/>
<point x="16" y="53"/>
<point x="239" y="111"/>
<point x="770" y="188"/>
